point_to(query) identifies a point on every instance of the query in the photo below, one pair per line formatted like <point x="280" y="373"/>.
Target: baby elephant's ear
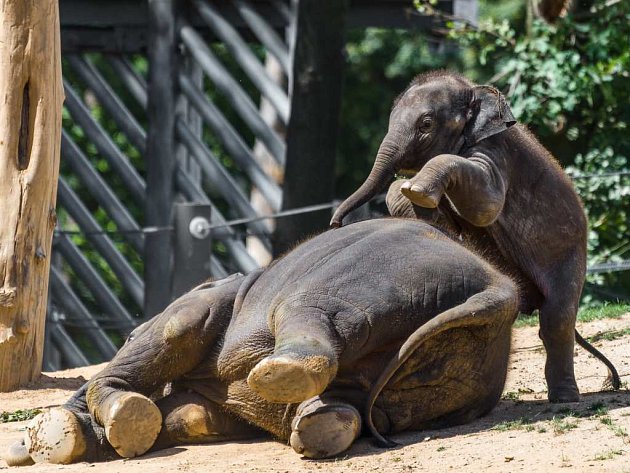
<point x="489" y="114"/>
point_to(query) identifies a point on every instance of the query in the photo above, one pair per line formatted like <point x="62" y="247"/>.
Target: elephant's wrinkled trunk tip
<point x="368" y="190"/>
<point x="380" y="175"/>
<point x="335" y="222"/>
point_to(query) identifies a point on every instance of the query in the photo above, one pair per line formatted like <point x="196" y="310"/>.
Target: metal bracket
<point x="199" y="228"/>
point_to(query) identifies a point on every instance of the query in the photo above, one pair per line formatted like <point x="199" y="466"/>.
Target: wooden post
<point x="315" y="106"/>
<point x="30" y="134"/>
<point x="193" y="247"/>
<point x="160" y="155"/>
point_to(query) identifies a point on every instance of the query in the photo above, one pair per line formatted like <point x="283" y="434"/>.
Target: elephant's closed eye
<point x="425" y="124"/>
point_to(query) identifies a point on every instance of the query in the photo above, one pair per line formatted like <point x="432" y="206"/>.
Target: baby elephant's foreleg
<point x="475" y="186"/>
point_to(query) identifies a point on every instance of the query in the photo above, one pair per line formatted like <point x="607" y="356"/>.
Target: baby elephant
<point x="486" y="178"/>
<point x="383" y="325"/>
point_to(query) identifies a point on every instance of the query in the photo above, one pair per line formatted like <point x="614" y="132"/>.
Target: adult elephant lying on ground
<point x="499" y="188"/>
<point x="389" y="318"/>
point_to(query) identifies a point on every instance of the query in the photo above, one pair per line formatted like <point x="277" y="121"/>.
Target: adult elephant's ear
<point x="489" y="114"/>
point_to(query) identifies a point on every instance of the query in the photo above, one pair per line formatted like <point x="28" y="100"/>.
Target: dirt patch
<point x="524" y="432"/>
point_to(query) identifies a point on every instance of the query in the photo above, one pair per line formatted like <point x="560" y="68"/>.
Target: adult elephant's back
<point x="376" y="281"/>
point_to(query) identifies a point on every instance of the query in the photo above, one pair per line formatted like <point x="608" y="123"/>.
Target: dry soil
<point x="523" y="433"/>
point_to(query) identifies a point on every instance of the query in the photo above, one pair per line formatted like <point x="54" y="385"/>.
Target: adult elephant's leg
<point x="166" y="348"/>
<point x="493" y="309"/>
<point x="324" y="426"/>
<point x="305" y="357"/>
<point x="69" y="434"/>
<point x="189" y="417"/>
<point x="557" y="329"/>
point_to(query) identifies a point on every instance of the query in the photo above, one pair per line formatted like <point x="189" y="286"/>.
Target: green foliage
<point x="511" y="396"/>
<point x="561" y="425"/>
<point x="598" y="408"/>
<point x="617" y="429"/>
<point x="526" y="320"/>
<point x="522" y="423"/>
<point x="564" y="78"/>
<point x="604" y="311"/>
<point x="585" y="314"/>
<point x="608" y="455"/>
<point x="18" y="416"/>
<point x="607" y="205"/>
<point x="609" y="335"/>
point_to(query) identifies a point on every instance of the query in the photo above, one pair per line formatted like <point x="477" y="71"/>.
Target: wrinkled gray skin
<point x="486" y="178"/>
<point x="390" y="312"/>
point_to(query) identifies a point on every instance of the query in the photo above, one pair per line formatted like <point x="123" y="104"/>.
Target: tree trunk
<point x="30" y="127"/>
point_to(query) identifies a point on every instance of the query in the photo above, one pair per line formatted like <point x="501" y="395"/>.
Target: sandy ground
<point x="524" y="432"/>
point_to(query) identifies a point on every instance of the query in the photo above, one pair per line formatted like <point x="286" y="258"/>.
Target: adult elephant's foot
<point x="563" y="394"/>
<point x="132" y="422"/>
<point x="286" y="378"/>
<point x="54" y="436"/>
<point x="324" y="428"/>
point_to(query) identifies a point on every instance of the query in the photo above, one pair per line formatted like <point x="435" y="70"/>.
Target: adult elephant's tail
<point x="613" y="375"/>
<point x="495" y="306"/>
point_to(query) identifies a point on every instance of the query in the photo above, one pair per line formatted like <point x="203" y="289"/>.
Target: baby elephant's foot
<point x="560" y="379"/>
<point x="564" y="393"/>
<point x="132" y="423"/>
<point x="324" y="428"/>
<point x="54" y="436"/>
<point x="421" y="194"/>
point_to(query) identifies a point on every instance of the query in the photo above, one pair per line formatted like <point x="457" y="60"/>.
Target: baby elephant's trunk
<point x="382" y="172"/>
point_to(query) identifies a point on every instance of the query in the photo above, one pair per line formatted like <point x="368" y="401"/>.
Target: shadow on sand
<point x="507" y="411"/>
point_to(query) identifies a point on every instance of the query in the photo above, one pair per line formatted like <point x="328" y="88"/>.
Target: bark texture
<point x="30" y="125"/>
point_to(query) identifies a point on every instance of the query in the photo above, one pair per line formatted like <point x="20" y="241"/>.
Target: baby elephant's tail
<point x="613" y="376"/>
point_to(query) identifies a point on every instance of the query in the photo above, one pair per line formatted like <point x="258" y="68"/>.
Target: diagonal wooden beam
<point x="265" y="33"/>
<point x="131" y="282"/>
<point x="109" y="100"/>
<point x="245" y="58"/>
<point x="105" y="145"/>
